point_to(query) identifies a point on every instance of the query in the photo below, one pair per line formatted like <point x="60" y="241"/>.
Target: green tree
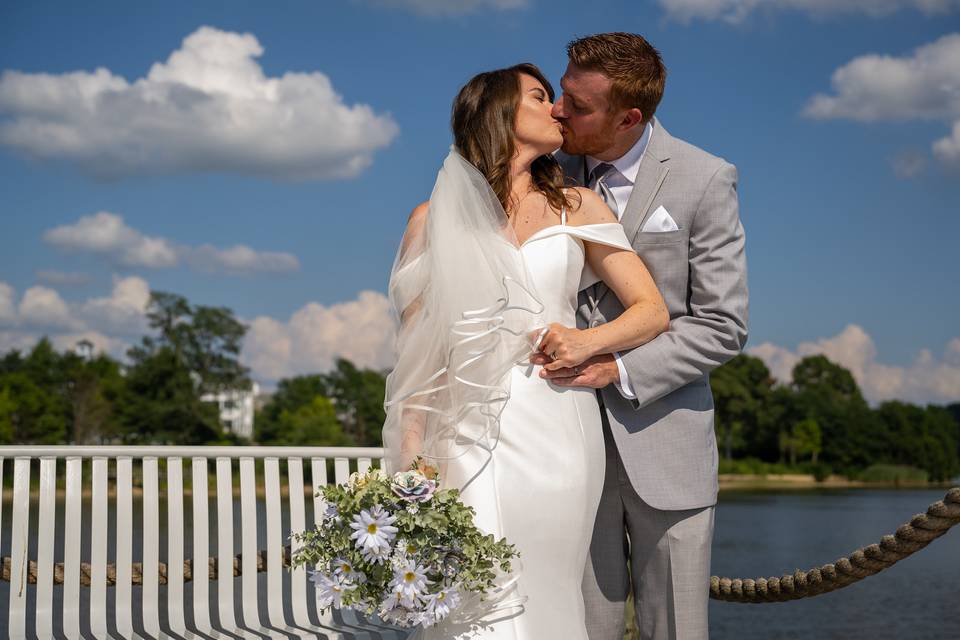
<point x="806" y="439"/>
<point x="740" y="388"/>
<point x="204" y="340"/>
<point x="94" y="390"/>
<point x="161" y="404"/>
<point x="358" y="397"/>
<point x="852" y="436"/>
<point x="920" y="437"/>
<point x="312" y="424"/>
<point x="7" y="412"/>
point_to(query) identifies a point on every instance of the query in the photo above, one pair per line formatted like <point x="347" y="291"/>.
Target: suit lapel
<point x="653" y="171"/>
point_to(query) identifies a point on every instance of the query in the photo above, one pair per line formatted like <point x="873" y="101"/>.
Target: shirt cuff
<point x="624" y="385"/>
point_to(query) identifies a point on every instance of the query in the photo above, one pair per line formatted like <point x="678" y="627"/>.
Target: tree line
<point x="818" y="421"/>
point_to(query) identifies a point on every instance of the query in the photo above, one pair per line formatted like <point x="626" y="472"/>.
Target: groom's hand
<point x="597" y="372"/>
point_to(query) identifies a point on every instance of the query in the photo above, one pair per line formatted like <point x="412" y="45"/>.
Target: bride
<point x="487" y="274"/>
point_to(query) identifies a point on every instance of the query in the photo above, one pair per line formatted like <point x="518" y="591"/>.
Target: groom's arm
<point x="715" y="330"/>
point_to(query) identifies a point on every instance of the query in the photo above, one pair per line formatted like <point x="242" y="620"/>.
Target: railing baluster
<point x="175" y="537"/>
<point x="318" y="471"/>
<point x="225" y="543"/>
<point x="124" y="586"/>
<point x="98" y="549"/>
<point x="364" y="464"/>
<point x="122" y="605"/>
<point x="201" y="548"/>
<point x="73" y="527"/>
<point x="341" y="470"/>
<point x="271" y="480"/>
<point x="20" y="534"/>
<point x="248" y="519"/>
<point x="298" y="576"/>
<point x="151" y="546"/>
<point x="46" y="527"/>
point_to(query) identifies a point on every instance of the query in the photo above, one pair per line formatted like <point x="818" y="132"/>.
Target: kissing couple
<point x="562" y="299"/>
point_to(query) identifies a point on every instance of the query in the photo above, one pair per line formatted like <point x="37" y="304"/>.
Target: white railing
<point x="286" y="590"/>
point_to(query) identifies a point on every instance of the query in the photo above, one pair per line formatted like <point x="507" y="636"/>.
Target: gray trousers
<point x="669" y="557"/>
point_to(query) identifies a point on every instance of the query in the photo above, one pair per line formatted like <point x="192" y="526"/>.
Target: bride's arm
<point x="645" y="314"/>
<point x="412" y="421"/>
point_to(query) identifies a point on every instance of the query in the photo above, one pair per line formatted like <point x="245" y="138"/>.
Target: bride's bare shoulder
<point x="419" y="214"/>
<point x="587" y="207"/>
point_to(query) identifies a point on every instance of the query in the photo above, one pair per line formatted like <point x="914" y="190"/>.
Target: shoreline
<point x="800" y="481"/>
<point x="728" y="482"/>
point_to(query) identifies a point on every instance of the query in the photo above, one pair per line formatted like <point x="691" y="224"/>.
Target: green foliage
<point x="821" y="422"/>
<point x="312" y="424"/>
<point x="828" y="394"/>
<point x="355" y="394"/>
<point x="740" y="388"/>
<point x="893" y="473"/>
<point x="438" y="534"/>
<point x="922" y="437"/>
<point x="161" y="404"/>
<point x="206" y="341"/>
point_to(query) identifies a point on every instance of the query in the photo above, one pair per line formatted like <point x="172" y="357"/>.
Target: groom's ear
<point x="631" y="118"/>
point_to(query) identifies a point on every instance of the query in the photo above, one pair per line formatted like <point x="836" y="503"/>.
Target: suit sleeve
<point x="715" y="328"/>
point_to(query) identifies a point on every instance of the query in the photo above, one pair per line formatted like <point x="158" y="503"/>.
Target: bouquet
<point x="399" y="547"/>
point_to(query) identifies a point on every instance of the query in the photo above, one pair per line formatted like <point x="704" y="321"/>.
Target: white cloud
<point x="209" y="108"/>
<point x="736" y="11"/>
<point x="871" y="88"/>
<point x="106" y="234"/>
<point x="107" y="322"/>
<point x="8" y="304"/>
<point x="926" y="380"/>
<point x="881" y="88"/>
<point x="361" y="331"/>
<point x="239" y="259"/>
<point x="450" y="7"/>
<point x="122" y="312"/>
<point x="43" y="307"/>
<point x="948" y="149"/>
<point x="62" y="278"/>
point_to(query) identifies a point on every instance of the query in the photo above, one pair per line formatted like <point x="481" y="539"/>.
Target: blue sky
<point x="283" y="196"/>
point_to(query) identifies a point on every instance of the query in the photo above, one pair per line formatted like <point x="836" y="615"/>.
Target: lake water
<point x="757" y="534"/>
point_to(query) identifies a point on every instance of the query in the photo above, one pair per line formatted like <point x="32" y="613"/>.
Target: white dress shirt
<point x="620" y="180"/>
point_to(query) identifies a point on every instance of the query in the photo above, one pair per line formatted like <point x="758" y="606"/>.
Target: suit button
<point x="594" y="323"/>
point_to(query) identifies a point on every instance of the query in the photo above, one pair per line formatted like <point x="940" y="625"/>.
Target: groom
<point x="678" y="206"/>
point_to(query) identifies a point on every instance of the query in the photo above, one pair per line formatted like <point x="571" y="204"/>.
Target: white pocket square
<point x="659" y="222"/>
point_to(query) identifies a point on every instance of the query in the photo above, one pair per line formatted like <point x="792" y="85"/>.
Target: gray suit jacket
<point x="666" y="436"/>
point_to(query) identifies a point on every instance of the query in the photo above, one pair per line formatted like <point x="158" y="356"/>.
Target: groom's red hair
<point x="632" y="64"/>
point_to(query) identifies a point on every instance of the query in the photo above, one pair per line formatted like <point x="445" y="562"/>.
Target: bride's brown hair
<point x="482" y="120"/>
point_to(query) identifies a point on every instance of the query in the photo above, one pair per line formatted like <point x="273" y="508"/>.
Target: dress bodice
<point x="556" y="259"/>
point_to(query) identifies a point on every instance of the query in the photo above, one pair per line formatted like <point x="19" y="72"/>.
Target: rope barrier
<point x="862" y="563"/>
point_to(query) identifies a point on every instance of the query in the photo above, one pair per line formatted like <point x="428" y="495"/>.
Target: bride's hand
<point x="566" y="347"/>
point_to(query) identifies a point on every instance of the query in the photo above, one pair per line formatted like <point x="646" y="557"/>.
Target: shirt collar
<point x="629" y="163"/>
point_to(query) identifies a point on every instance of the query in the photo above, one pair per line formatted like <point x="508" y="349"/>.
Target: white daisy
<point x="440" y="604"/>
<point x="343" y="567"/>
<point x="410" y="581"/>
<point x="330" y="589"/>
<point x="373" y="532"/>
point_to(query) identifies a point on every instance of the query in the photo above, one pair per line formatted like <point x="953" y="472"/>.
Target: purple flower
<point x="413" y="486"/>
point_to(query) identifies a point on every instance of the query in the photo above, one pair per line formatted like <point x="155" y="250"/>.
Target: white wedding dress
<point x="541" y="487"/>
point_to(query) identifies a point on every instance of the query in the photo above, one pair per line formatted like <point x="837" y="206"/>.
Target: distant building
<point x="236" y="409"/>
